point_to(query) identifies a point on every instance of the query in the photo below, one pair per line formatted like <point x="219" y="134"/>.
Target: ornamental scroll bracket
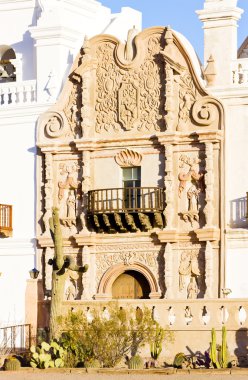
<point x="206" y="111"/>
<point x="54" y="125"/>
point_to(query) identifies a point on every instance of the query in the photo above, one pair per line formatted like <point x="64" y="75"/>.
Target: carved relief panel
<point x="130" y="99"/>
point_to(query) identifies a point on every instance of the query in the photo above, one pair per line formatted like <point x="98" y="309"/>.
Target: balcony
<point x="129" y="209"/>
<point x="6" y="220"/>
<point x="17" y="93"/>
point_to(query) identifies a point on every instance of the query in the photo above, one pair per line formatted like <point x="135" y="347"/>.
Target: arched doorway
<point x="132" y="285"/>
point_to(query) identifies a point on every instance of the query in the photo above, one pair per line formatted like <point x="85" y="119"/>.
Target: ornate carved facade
<point x="131" y="156"/>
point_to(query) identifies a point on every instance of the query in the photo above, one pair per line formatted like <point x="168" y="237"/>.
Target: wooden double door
<point x="132" y="285"/>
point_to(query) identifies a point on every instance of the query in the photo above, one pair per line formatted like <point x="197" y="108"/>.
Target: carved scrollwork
<point x="205" y="111"/>
<point x="128" y="158"/>
<point x="55" y="125"/>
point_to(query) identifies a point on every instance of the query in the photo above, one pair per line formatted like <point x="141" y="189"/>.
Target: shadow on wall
<point x="238" y="210"/>
<point x="241" y="351"/>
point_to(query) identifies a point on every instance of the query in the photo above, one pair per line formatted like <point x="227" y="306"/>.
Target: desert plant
<point x="219" y="353"/>
<point x="47" y="355"/>
<point x="135" y="362"/>
<point x="156" y="344"/>
<point x="107" y="339"/>
<point x="59" y="263"/>
<point x="179" y="360"/>
<point x="92" y="363"/>
<point x="11" y="364"/>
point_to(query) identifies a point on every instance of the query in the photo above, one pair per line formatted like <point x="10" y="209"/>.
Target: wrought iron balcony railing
<point x="6" y="220"/>
<point x="130" y="199"/>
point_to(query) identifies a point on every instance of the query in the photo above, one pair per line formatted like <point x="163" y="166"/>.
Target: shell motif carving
<point x="55" y="125"/>
<point x="128" y="158"/>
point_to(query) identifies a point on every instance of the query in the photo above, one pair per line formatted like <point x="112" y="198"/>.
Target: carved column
<point x="48" y="192"/>
<point x="86" y="278"/>
<point x="209" y="182"/>
<point x="168" y="271"/>
<point x="169" y="186"/>
<point x="48" y="270"/>
<point x="86" y="185"/>
<point x="209" y="279"/>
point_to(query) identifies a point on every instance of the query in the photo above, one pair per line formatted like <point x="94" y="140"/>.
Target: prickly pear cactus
<point x="59" y="263"/>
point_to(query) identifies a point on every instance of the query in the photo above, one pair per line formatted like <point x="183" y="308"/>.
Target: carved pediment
<point x="146" y="86"/>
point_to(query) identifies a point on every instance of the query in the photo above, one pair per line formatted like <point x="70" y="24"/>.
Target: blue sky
<point x="179" y="14"/>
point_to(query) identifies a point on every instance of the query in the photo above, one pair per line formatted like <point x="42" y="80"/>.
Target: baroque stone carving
<point x="209" y="183"/>
<point x="209" y="275"/>
<point x="187" y="97"/>
<point x="105" y="261"/>
<point x="72" y="112"/>
<point x="71" y="289"/>
<point x="48" y="192"/>
<point x="168" y="273"/>
<point x="70" y="183"/>
<point x="169" y="186"/>
<point x="130" y="98"/>
<point x="205" y="112"/>
<point x="128" y="105"/>
<point x="55" y="125"/>
<point x="191" y="182"/>
<point x="124" y="247"/>
<point x="128" y="158"/>
<point x="188" y="267"/>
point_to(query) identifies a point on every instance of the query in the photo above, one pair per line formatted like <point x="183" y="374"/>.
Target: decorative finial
<point x="210" y="71"/>
<point x="86" y="45"/>
<point x="168" y="35"/>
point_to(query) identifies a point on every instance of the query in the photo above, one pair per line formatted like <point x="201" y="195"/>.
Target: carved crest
<point x="128" y="105"/>
<point x="127" y="158"/>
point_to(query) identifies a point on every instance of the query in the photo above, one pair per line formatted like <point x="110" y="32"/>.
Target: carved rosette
<point x="128" y="158"/>
<point x="209" y="182"/>
<point x="169" y="186"/>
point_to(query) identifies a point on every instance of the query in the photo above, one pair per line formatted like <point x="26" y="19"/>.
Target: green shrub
<point x="107" y="339"/>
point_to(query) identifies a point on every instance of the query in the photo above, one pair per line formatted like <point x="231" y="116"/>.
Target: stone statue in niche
<point x="190" y="187"/>
<point x="71" y="285"/>
<point x="68" y="193"/>
<point x="192" y="289"/>
<point x="189" y="267"/>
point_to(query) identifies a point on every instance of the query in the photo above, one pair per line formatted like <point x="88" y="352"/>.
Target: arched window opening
<point x="7" y="66"/>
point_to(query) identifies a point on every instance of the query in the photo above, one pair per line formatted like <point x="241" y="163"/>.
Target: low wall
<point x="191" y="321"/>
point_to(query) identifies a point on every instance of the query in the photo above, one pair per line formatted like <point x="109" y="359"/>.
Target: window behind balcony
<point x="131" y="183"/>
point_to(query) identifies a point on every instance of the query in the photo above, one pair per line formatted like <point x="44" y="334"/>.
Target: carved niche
<point x="191" y="185"/>
<point x="192" y="272"/>
<point x="68" y="192"/>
